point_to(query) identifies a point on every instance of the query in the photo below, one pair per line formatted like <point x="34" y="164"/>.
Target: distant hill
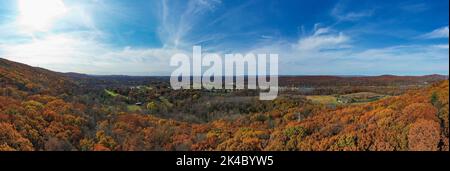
<point x="38" y="79"/>
<point x="33" y="79"/>
<point x="383" y="80"/>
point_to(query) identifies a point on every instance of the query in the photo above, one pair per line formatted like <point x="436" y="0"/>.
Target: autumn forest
<point x="42" y="110"/>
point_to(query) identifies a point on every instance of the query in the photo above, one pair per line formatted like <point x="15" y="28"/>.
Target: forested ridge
<point x="45" y="110"/>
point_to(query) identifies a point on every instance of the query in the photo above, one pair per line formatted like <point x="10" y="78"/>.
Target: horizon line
<point x="280" y="75"/>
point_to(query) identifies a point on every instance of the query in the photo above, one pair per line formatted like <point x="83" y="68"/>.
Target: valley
<point x="46" y="110"/>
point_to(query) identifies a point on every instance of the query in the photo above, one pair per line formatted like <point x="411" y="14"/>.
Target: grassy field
<point x="361" y="97"/>
<point x="111" y="93"/>
<point x="133" y="108"/>
<point x="354" y="98"/>
<point x="323" y="99"/>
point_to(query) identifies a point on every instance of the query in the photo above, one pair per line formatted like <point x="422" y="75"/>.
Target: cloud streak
<point x="65" y="52"/>
<point x="326" y="51"/>
<point x="340" y="13"/>
<point x="442" y="32"/>
<point x="323" y="39"/>
<point x="176" y="24"/>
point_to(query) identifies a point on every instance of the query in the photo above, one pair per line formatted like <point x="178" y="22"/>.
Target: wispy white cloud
<point x="75" y="44"/>
<point x="66" y="52"/>
<point x="409" y="59"/>
<point x="322" y="39"/>
<point x="415" y="8"/>
<point x="177" y="23"/>
<point x="325" y="51"/>
<point x="442" y="32"/>
<point x="340" y="13"/>
<point x="441" y="46"/>
<point x="415" y="59"/>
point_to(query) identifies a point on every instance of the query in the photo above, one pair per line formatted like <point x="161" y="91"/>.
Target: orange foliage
<point x="37" y="112"/>
<point x="424" y="135"/>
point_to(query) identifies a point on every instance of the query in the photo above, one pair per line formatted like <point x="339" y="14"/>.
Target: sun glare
<point x="38" y="15"/>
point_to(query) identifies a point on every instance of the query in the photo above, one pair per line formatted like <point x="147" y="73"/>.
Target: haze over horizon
<point x="332" y="37"/>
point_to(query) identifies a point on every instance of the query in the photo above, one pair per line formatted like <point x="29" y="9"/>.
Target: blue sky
<point x="327" y="37"/>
